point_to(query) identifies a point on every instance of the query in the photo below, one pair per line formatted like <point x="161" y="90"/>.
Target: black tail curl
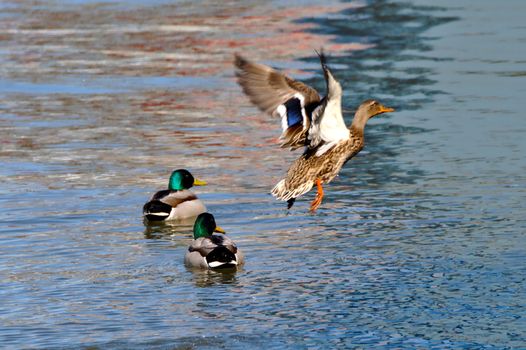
<point x="156" y="210"/>
<point x="221" y="255"/>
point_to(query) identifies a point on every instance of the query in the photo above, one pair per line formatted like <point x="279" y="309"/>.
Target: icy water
<point x="418" y="244"/>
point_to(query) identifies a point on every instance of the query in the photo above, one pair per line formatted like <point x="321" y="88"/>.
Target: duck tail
<point x="221" y="258"/>
<point x="282" y="192"/>
<point x="156" y="210"/>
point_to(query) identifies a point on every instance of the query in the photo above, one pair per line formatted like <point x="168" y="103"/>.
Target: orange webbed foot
<point x="319" y="196"/>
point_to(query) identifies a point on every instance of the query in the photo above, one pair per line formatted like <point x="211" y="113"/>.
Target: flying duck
<point x="308" y="121"/>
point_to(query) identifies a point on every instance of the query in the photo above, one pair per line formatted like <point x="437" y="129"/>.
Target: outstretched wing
<point x="327" y="127"/>
<point x="279" y="95"/>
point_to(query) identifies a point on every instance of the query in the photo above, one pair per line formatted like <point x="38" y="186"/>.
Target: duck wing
<point x="278" y="95"/>
<point x="173" y="198"/>
<point x="327" y="127"/>
<point x="224" y="241"/>
<point x="207" y="244"/>
<point x="202" y="245"/>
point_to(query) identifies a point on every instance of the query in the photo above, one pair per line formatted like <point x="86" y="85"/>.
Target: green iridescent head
<point x="181" y="179"/>
<point x="205" y="225"/>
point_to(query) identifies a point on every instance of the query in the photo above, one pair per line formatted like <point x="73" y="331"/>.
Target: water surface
<point x="418" y="244"/>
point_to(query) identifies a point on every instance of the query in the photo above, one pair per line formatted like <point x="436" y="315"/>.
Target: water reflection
<point x="178" y="228"/>
<point x="396" y="66"/>
<point x="99" y="99"/>
<point x="208" y="278"/>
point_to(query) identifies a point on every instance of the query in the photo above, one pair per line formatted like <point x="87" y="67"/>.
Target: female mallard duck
<point x="307" y="121"/>
<point x="177" y="202"/>
<point x="211" y="251"/>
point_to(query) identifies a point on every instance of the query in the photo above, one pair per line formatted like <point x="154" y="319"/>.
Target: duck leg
<point x="319" y="196"/>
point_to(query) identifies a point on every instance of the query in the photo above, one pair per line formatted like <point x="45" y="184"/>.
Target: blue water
<point x="419" y="242"/>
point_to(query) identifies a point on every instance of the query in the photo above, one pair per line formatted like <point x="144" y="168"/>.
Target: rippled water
<point x="418" y="244"/>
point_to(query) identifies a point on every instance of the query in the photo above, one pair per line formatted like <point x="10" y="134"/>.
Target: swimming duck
<point x="209" y="250"/>
<point x="177" y="202"/>
<point x="307" y="121"/>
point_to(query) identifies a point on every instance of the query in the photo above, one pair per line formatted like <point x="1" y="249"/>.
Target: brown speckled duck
<point x="307" y="121"/>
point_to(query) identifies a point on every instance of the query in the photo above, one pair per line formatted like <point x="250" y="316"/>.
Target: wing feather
<point x="174" y="198"/>
<point x="327" y="127"/>
<point x="278" y="95"/>
<point x="306" y="120"/>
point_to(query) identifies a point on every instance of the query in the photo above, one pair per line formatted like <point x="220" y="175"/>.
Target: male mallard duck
<point x="211" y="251"/>
<point x="177" y="202"/>
<point x="307" y="121"/>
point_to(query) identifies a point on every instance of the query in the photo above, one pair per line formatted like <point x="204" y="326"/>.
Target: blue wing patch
<point x="294" y="115"/>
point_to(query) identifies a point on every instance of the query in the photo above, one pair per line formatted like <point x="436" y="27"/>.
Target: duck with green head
<point x="177" y="202"/>
<point x="209" y="250"/>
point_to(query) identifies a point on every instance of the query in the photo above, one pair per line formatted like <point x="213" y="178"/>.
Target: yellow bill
<point x="198" y="182"/>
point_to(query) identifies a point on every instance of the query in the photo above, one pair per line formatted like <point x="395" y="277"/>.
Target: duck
<point x="308" y="121"/>
<point x="177" y="202"/>
<point x="209" y="250"/>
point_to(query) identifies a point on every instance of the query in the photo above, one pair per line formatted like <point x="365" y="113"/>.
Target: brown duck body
<point x="308" y="168"/>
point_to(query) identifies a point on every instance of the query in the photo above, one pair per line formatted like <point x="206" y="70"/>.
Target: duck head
<point x="205" y="225"/>
<point x="181" y="179"/>
<point x="367" y="110"/>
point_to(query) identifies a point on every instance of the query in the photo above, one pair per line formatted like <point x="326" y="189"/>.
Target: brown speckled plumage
<point x="303" y="173"/>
